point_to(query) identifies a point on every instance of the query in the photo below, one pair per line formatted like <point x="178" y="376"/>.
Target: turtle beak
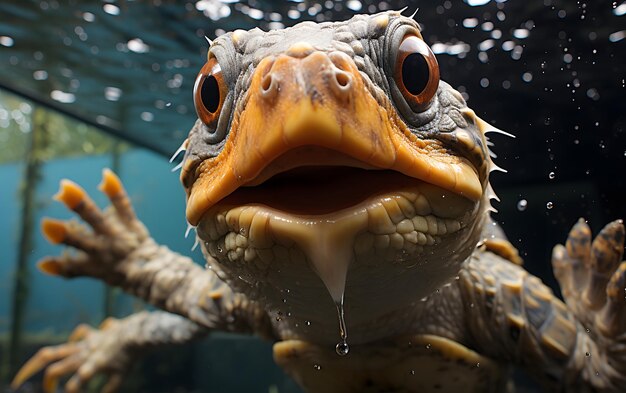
<point x="314" y="108"/>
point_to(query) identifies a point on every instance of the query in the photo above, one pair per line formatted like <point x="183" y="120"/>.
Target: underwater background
<point x="91" y="84"/>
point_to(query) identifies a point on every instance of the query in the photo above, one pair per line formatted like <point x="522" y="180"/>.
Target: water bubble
<point x="342" y="348"/>
<point x="551" y="175"/>
<point x="522" y="204"/>
<point x="549" y="205"/>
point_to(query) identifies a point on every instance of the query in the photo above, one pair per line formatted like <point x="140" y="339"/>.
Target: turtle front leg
<point x="593" y="282"/>
<point x="118" y="250"/>
<point x="109" y="350"/>
<point x="579" y="347"/>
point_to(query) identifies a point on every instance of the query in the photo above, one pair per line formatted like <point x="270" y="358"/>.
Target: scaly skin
<point x="397" y="235"/>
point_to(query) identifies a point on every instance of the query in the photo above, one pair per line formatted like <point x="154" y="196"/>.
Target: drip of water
<point x="342" y="347"/>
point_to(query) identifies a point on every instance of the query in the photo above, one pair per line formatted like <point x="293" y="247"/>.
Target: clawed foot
<point x="114" y="234"/>
<point x="593" y="282"/>
<point x="88" y="352"/>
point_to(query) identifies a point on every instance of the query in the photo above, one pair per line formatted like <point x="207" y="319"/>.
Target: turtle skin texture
<point x="340" y="194"/>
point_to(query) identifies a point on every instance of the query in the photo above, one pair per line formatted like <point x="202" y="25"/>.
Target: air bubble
<point x="427" y="346"/>
<point x="522" y="204"/>
<point x="551" y="175"/>
<point x="317" y="367"/>
<point x="549" y="205"/>
<point x="587" y="354"/>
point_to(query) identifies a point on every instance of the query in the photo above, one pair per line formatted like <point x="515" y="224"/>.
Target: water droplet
<point x="342" y="348"/>
<point x="317" y="367"/>
<point x="551" y="175"/>
<point x="549" y="205"/>
<point x="522" y="204"/>
<point x="587" y="354"/>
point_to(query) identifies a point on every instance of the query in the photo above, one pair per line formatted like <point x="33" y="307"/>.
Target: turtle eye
<point x="209" y="92"/>
<point x="416" y="72"/>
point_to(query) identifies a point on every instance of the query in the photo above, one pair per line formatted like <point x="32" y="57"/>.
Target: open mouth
<point x="319" y="190"/>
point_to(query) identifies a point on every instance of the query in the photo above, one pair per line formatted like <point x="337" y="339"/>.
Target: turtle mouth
<point x="319" y="190"/>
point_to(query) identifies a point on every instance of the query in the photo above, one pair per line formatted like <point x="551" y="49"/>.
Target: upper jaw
<point x="344" y="127"/>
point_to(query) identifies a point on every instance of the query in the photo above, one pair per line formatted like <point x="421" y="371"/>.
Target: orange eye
<point x="417" y="72"/>
<point x="209" y="92"/>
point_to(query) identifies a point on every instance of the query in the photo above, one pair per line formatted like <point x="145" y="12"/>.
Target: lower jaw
<point x="254" y="241"/>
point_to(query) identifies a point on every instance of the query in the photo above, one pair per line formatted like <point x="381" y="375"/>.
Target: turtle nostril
<point x="266" y="83"/>
<point x="340" y="83"/>
<point x="343" y="79"/>
<point x="269" y="86"/>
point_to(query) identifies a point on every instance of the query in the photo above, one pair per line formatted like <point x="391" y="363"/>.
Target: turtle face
<point x="331" y="159"/>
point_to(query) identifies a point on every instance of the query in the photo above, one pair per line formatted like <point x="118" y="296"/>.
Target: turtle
<point x="339" y="190"/>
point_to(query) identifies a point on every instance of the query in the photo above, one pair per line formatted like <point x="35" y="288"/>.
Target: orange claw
<point x="111" y="184"/>
<point x="50" y="266"/>
<point x="40" y="360"/>
<point x="70" y="193"/>
<point x="54" y="230"/>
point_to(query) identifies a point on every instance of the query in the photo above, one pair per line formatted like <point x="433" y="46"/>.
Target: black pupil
<point x="415" y="73"/>
<point x="210" y="94"/>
